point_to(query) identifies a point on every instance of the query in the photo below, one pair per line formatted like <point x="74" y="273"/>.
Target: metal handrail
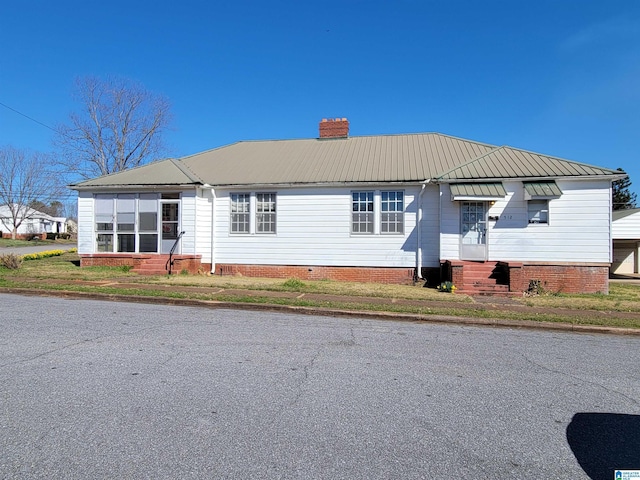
<point x="169" y="265"/>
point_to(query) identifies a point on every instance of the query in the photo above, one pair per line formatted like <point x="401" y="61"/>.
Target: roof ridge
<point x="473" y="160"/>
<point x="184" y="168"/>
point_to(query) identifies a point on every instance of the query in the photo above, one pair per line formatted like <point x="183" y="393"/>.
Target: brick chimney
<point x="334" y="128"/>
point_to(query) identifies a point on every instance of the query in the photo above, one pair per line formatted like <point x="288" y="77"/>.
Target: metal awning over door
<point x="477" y="191"/>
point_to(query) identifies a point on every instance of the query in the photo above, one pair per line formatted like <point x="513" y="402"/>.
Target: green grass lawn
<point x="63" y="272"/>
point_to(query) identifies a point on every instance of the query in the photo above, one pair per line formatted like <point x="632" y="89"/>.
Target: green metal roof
<point x="485" y="190"/>
<point x="542" y="189"/>
<point x="368" y="159"/>
<point x="508" y="162"/>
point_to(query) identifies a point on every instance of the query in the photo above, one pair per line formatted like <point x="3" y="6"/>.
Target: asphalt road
<point x="92" y="389"/>
<point x="36" y="247"/>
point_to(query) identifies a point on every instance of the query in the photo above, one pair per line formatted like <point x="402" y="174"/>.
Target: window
<point x="240" y="212"/>
<point x="538" y="211"/>
<point x="362" y="212"/>
<point x="265" y="212"/>
<point x="392" y="216"/>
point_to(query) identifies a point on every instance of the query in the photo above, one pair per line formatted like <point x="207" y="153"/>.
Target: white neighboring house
<point x="385" y="208"/>
<point x="34" y="223"/>
<point x="625" y="231"/>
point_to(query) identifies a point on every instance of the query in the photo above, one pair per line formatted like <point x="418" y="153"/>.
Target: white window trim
<point x="377" y="212"/>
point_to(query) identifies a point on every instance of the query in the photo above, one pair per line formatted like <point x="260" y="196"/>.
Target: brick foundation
<point x="189" y="263"/>
<point x="344" y="274"/>
<point x="555" y="278"/>
<point x="558" y="278"/>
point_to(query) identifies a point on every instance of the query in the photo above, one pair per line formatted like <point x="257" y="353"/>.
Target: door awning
<point x="541" y="190"/>
<point x="477" y="191"/>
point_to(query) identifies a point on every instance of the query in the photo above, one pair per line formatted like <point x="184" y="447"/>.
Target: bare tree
<point x="119" y="126"/>
<point x="25" y="178"/>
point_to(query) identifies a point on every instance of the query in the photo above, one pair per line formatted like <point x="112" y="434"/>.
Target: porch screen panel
<point x="104" y="222"/>
<point x="125" y="222"/>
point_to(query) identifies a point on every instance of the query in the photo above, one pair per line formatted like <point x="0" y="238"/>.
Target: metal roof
<point x="164" y="172"/>
<point x="542" y="189"/>
<point x="367" y="159"/>
<point x="495" y="189"/>
<point x="509" y="162"/>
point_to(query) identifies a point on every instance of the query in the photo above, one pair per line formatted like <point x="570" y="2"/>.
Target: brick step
<point x="475" y="277"/>
<point x="149" y="271"/>
<point x="485" y="290"/>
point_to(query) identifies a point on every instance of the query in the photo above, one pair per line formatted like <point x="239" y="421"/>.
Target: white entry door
<point x="473" y="244"/>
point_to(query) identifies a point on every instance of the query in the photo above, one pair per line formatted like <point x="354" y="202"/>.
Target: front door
<point x="473" y="245"/>
<point x="170" y="225"/>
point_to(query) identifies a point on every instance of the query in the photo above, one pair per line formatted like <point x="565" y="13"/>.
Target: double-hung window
<point x="265" y="213"/>
<point x="362" y="212"/>
<point x="240" y="212"/>
<point x="392" y="212"/>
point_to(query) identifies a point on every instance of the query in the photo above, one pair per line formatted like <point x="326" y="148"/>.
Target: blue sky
<point x="559" y="77"/>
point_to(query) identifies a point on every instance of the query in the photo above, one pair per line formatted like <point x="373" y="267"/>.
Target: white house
<point x="388" y="208"/>
<point x="33" y="222"/>
<point x="626" y="241"/>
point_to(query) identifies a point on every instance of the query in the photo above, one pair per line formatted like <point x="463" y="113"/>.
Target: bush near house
<point x="11" y="261"/>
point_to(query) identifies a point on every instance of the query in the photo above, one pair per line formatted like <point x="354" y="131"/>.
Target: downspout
<point x="419" y="236"/>
<point x="213" y="243"/>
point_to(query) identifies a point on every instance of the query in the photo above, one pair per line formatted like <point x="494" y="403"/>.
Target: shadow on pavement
<point x="605" y="442"/>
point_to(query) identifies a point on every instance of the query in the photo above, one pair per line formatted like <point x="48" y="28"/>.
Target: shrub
<point x="11" y="261"/>
<point x="447" y="287"/>
<point x="293" y="284"/>
<point x="45" y="254"/>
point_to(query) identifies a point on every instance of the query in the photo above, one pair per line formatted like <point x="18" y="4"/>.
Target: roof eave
<point x="159" y="186"/>
<point x="529" y="179"/>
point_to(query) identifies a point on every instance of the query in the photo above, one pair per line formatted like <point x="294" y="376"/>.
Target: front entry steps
<point x="157" y="264"/>
<point x="479" y="278"/>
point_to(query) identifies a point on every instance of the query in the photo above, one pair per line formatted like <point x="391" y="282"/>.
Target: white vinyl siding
<point x="578" y="228"/>
<point x="86" y="223"/>
<point x="202" y="226"/>
<point x="314" y="228"/>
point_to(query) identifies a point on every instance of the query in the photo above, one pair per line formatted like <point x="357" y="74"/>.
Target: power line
<point x="27" y="116"/>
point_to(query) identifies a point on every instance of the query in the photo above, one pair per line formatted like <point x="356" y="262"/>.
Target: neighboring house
<point x="386" y="208"/>
<point x="625" y="230"/>
<point x="34" y="223"/>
